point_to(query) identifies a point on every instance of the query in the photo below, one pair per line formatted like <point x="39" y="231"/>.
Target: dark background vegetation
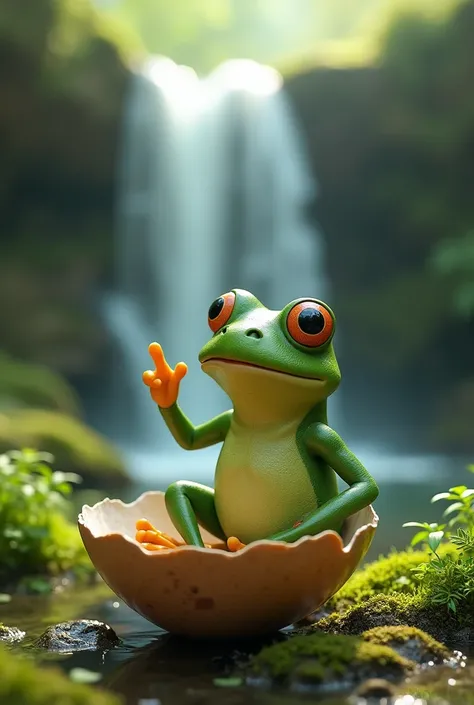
<point x="391" y="139"/>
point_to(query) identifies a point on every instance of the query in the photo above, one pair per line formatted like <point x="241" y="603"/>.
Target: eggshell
<point x="208" y="591"/>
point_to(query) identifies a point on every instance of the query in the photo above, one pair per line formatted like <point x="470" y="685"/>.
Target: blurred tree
<point x="62" y="79"/>
<point x="203" y="33"/>
<point x="392" y="146"/>
<point x="454" y="259"/>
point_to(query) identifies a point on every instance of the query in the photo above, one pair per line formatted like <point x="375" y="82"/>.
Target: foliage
<point x="22" y="682"/>
<point x="35" y="537"/>
<point x="76" y="447"/>
<point x="390" y="145"/>
<point x="203" y="33"/>
<point x="448" y="580"/>
<point x="34" y="386"/>
<point x="62" y="84"/>
<point x="453" y="259"/>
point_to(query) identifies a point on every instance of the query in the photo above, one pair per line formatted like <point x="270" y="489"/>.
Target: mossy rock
<point x="327" y="661"/>
<point x="389" y="574"/>
<point x="22" y="683"/>
<point x="34" y="386"/>
<point x="75" y="447"/>
<point x="394" y="611"/>
<point x="410" y="642"/>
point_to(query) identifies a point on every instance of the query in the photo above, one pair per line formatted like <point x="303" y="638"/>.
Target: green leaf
<point x="228" y="682"/>
<point x="434" y="539"/>
<point x="458" y="490"/>
<point x="453" y="508"/>
<point x="467" y="493"/>
<point x="451" y="605"/>
<point x="82" y="675"/>
<point x="419" y="537"/>
<point x="69" y="477"/>
<point x="416" y="523"/>
<point x="470" y="468"/>
<point x="441" y="495"/>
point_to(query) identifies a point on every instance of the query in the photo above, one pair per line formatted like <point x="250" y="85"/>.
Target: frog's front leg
<point x="190" y="504"/>
<point x="322" y="441"/>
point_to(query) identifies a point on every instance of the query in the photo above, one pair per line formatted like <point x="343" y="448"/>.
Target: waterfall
<point x="214" y="189"/>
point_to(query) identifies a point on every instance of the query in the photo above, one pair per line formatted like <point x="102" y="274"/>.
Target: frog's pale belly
<point x="262" y="485"/>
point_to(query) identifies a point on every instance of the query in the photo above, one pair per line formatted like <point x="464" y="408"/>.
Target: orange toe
<point x="154" y="547"/>
<point x="144" y="525"/>
<point x="147" y="534"/>
<point x="233" y="544"/>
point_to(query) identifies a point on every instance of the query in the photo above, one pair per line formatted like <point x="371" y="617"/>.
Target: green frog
<point x="276" y="476"/>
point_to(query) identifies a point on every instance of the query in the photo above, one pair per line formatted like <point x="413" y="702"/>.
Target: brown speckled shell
<point x="207" y="592"/>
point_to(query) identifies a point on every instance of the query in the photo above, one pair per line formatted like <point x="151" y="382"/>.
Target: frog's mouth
<point x="227" y="361"/>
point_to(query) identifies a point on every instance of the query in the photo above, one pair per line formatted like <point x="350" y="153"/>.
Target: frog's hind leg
<point x="190" y="504"/>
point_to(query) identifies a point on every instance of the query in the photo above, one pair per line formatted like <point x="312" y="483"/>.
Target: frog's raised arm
<point x="324" y="442"/>
<point x="163" y="383"/>
<point x="192" y="437"/>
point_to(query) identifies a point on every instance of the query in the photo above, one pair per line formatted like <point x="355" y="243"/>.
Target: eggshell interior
<point x="205" y="592"/>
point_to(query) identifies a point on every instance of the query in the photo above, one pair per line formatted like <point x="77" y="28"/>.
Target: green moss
<point x="22" y="683"/>
<point x="392" y="610"/>
<point x="23" y="384"/>
<point x="386" y="575"/>
<point x="397" y="637"/>
<point x="324" y="657"/>
<point x="75" y="446"/>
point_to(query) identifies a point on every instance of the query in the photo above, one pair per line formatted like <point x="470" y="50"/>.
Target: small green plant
<point x="448" y="577"/>
<point x="35" y="536"/>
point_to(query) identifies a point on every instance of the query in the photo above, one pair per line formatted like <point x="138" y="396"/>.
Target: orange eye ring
<point x="220" y="311"/>
<point x="310" y="323"/>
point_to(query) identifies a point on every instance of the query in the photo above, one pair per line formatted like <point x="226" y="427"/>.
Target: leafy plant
<point x="448" y="577"/>
<point x="35" y="535"/>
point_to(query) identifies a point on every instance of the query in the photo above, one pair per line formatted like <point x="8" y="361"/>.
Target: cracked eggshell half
<point x="205" y="592"/>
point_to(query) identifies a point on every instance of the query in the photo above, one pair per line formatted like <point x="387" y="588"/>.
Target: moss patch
<point x="34" y="386"/>
<point x="323" y="659"/>
<point x="410" y="642"/>
<point x="75" y="446"/>
<point x="21" y="683"/>
<point x="393" y="610"/>
<point x="388" y="574"/>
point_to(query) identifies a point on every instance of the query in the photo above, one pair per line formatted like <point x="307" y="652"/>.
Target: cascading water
<point x="214" y="190"/>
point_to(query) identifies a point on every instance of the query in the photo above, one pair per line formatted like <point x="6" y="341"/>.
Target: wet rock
<point x="325" y="662"/>
<point x="410" y="642"/>
<point x="81" y="635"/>
<point x="11" y="635"/>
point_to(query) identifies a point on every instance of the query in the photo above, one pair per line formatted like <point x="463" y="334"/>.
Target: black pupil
<point x="216" y="308"/>
<point x="311" y="321"/>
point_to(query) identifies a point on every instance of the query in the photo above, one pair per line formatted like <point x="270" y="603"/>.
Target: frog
<point x="276" y="476"/>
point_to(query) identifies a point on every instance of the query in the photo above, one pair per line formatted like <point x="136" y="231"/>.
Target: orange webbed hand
<point x="163" y="382"/>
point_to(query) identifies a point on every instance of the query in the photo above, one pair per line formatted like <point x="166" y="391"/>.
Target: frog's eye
<point x="310" y="324"/>
<point x="220" y="311"/>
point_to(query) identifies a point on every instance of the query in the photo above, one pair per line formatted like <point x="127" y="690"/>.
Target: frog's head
<point x="295" y="342"/>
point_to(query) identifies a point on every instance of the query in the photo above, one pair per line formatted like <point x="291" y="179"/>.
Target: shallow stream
<point x="151" y="667"/>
